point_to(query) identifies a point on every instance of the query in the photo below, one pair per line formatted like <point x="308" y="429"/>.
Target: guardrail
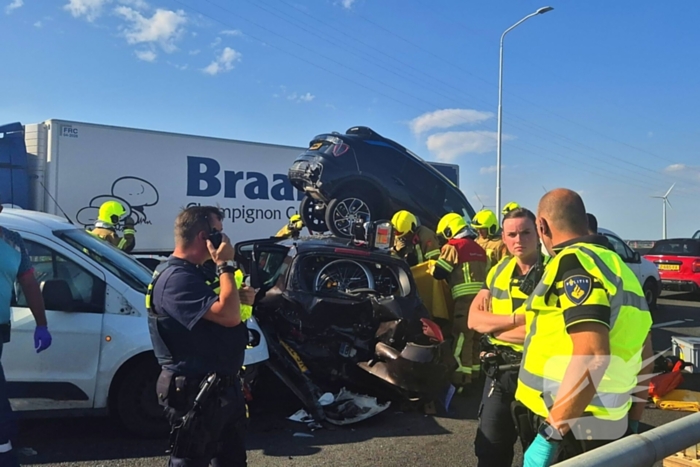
<point x="645" y="449"/>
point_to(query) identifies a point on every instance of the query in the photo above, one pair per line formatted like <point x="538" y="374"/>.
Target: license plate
<point x="669" y="267"/>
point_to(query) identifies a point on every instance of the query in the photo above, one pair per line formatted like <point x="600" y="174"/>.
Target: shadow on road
<point x="92" y="440"/>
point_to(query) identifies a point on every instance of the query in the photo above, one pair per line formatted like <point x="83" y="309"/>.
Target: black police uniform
<point x="189" y="348"/>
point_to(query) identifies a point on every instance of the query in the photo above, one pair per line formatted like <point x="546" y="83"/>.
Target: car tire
<point x="651" y="293"/>
<point x="137" y="408"/>
<point x="313" y="220"/>
<point x="341" y="209"/>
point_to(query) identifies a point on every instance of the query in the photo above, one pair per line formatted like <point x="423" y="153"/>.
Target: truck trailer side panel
<point x="154" y="175"/>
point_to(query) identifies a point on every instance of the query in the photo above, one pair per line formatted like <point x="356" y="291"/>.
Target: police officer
<point x="497" y="313"/>
<point x="462" y="263"/>
<point x="108" y="218"/>
<point x="414" y="243"/>
<point x="486" y="224"/>
<point x="586" y="325"/>
<point x="197" y="333"/>
<point x="292" y="229"/>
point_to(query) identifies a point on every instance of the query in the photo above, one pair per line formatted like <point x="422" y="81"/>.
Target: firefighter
<point x="108" y="218"/>
<point x="509" y="207"/>
<point x="414" y="243"/>
<point x="292" y="229"/>
<point x="486" y="224"/>
<point x="462" y="263"/>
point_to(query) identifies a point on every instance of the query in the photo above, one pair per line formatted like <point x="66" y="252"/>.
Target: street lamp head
<point x="544" y="9"/>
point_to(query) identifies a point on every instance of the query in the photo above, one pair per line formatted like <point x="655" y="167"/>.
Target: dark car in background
<point x="678" y="261"/>
<point x="360" y="176"/>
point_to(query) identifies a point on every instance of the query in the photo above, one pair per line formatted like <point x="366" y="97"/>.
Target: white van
<point x="101" y="359"/>
<point x="645" y="270"/>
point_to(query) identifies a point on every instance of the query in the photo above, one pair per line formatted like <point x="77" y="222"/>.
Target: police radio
<point x="533" y="277"/>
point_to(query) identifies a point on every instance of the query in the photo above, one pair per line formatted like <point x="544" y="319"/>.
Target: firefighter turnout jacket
<point x="495" y="249"/>
<point x="108" y="233"/>
<point x="418" y="247"/>
<point x="462" y="263"/>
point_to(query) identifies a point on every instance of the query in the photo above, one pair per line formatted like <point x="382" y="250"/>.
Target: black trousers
<point x="497" y="434"/>
<point x="228" y="427"/>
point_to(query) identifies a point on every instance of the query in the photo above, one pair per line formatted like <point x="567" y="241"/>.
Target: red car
<point x="678" y="261"/>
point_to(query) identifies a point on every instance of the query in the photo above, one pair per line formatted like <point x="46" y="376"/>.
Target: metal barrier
<point x="645" y="449"/>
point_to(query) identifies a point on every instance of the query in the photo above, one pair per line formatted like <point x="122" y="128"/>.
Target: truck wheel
<point x="344" y="210"/>
<point x="137" y="407"/>
<point x="650" y="290"/>
<point x="312" y="214"/>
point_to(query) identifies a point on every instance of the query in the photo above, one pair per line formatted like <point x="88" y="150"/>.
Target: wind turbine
<point x="665" y="201"/>
<point x="483" y="206"/>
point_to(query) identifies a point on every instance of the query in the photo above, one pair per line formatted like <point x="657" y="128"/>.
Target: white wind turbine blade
<point x="669" y="191"/>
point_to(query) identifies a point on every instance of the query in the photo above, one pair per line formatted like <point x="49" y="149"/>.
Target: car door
<point x="64" y="375"/>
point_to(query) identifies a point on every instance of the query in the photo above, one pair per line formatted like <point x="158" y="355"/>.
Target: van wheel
<point x="342" y="212"/>
<point x="137" y="407"/>
<point x="650" y="290"/>
<point x="313" y="214"/>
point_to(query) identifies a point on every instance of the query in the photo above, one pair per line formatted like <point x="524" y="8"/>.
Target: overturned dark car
<point x="337" y="313"/>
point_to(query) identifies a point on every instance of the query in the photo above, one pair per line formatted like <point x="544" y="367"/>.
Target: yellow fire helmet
<point x="111" y="212"/>
<point x="403" y="223"/>
<point x="509" y="207"/>
<point x="486" y="219"/>
<point x="450" y="225"/>
<point x="295" y="218"/>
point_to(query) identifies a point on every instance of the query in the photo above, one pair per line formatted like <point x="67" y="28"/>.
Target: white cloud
<point x="232" y="32"/>
<point x="447" y="118"/>
<point x="38" y="24"/>
<point x="195" y="52"/>
<point x="90" y="9"/>
<point x="449" y="145"/>
<point x="676" y="168"/>
<point x="308" y="97"/>
<point x="225" y="62"/>
<point x="216" y="42"/>
<point x="347" y="3"/>
<point x="146" y="55"/>
<point x="163" y="28"/>
<point x="13" y="6"/>
<point x="489" y="170"/>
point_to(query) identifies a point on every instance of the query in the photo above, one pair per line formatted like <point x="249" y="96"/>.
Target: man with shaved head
<point x="587" y="324"/>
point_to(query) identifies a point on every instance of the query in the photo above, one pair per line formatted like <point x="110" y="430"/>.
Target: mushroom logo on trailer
<point x="135" y="194"/>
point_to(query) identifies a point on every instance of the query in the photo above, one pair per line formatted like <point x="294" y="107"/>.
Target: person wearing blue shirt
<point x="15" y="266"/>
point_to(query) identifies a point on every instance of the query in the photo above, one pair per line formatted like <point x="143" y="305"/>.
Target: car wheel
<point x="313" y="214"/>
<point x="137" y="407"/>
<point x="650" y="290"/>
<point x="342" y="212"/>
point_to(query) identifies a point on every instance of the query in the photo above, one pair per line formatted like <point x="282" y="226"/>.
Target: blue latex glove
<point x="42" y="338"/>
<point x="540" y="453"/>
<point x="634" y="426"/>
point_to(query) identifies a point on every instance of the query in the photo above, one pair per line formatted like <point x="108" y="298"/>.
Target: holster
<point x="172" y="390"/>
<point x="196" y="432"/>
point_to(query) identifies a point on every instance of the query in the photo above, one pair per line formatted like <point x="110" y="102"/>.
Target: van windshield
<point x="133" y="273"/>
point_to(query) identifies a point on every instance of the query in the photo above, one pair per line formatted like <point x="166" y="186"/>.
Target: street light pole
<point x="500" y="107"/>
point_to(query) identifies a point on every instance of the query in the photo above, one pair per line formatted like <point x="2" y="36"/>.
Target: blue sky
<point x="600" y="97"/>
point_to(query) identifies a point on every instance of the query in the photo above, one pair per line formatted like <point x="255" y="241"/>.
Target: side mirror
<point x="636" y="257"/>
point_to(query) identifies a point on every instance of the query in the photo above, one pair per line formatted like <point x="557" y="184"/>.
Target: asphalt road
<point x="394" y="438"/>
